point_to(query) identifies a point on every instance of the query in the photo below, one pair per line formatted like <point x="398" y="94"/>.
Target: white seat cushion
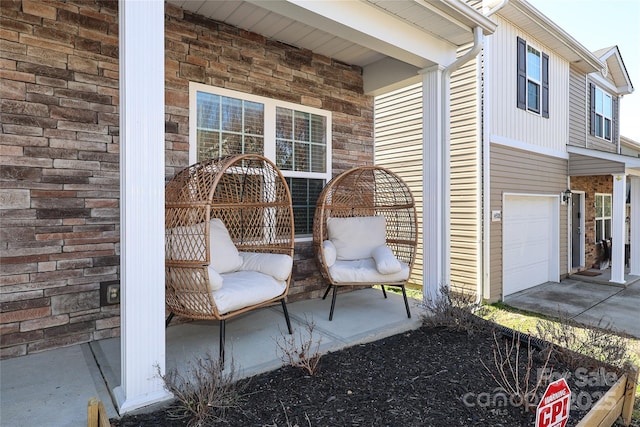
<point x="365" y="271"/>
<point x="244" y="288"/>
<point x="224" y="254"/>
<point x="330" y="254"/>
<point x="355" y="237"/>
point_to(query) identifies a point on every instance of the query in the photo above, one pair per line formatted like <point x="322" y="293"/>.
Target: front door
<point x="577" y="231"/>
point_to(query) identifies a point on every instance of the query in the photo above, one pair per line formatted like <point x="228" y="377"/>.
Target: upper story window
<point x="601" y="113"/>
<point x="533" y="79"/>
<point x="296" y="138"/>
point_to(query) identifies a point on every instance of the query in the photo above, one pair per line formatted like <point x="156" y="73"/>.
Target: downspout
<point x="446" y="143"/>
<point x="485" y="265"/>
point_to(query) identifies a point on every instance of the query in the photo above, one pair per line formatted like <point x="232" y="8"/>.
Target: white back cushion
<point x="355" y="237"/>
<point x="224" y="254"/>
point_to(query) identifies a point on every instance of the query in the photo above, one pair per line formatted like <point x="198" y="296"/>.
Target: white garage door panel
<point x="530" y="242"/>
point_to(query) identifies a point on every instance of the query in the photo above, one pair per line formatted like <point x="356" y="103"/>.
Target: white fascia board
<point x="590" y="62"/>
<point x="629" y="162"/>
<point x="368" y="26"/>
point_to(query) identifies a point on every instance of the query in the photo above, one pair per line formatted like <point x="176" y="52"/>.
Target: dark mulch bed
<point x="426" y="377"/>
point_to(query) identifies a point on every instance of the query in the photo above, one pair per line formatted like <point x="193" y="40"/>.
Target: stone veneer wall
<point x="591" y="185"/>
<point x="59" y="179"/>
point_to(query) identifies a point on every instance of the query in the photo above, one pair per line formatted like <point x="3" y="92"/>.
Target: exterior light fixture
<point x="566" y="195"/>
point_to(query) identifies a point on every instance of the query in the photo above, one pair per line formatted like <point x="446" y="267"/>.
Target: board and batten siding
<point x="578" y="108"/>
<point x="504" y="118"/>
<point x="524" y="172"/>
<point x="466" y="152"/>
<point x="398" y="147"/>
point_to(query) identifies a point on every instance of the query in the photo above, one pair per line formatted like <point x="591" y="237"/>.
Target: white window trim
<point x="270" y="107"/>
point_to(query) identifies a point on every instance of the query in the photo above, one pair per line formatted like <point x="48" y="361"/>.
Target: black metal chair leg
<point x="384" y="292"/>
<point x="222" y="331"/>
<point x="326" y="292"/>
<point x="333" y="302"/>
<point x="406" y="302"/>
<point x="286" y="316"/>
<point x="166" y="322"/>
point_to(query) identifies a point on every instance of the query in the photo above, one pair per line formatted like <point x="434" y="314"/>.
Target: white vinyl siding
<point x="578" y="111"/>
<point x="398" y="147"/>
<point x="504" y="118"/>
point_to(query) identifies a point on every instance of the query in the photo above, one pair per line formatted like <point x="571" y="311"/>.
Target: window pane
<point x="284" y="154"/>
<point x="253" y="144"/>
<point x="599" y="230"/>
<point x="607" y="206"/>
<point x="208" y="145"/>
<point x="599" y="106"/>
<point x="533" y="97"/>
<point x="318" y="158"/>
<point x="607" y="228"/>
<point x="301" y="162"/>
<point x="606" y="107"/>
<point x="208" y="111"/>
<point x="304" y="195"/>
<point x="231" y="144"/>
<point x="607" y="129"/>
<point x="318" y="129"/>
<point x="284" y="123"/>
<point x="253" y="118"/>
<point x="231" y="119"/>
<point x="599" y="125"/>
<point x="533" y="63"/>
<point x="301" y="126"/>
<point x="599" y="208"/>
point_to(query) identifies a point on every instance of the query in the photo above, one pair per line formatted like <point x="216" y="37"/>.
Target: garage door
<point x="530" y="242"/>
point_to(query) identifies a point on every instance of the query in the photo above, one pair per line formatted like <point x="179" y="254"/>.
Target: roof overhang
<point x="387" y="38"/>
<point x="616" y="163"/>
<point x="532" y="21"/>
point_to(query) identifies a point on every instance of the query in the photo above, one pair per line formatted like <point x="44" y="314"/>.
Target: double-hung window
<point x="601" y="113"/>
<point x="533" y="79"/>
<point x="295" y="137"/>
<point x="603" y="216"/>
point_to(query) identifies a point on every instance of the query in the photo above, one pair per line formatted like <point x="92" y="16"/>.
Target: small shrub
<point x="204" y="392"/>
<point x="513" y="373"/>
<point x="453" y="310"/>
<point x="301" y="350"/>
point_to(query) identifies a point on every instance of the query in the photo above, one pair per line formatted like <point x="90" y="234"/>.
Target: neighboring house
<point x="534" y="115"/>
<point x="103" y="101"/>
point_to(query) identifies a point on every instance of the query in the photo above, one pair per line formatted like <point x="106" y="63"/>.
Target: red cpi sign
<point x="553" y="410"/>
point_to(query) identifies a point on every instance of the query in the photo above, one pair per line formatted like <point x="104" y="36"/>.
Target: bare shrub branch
<point x="301" y="350"/>
<point x="203" y="392"/>
<point x="453" y="310"/>
<point x="512" y="373"/>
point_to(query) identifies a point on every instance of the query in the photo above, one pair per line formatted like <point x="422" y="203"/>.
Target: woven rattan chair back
<point x="368" y="191"/>
<point x="251" y="197"/>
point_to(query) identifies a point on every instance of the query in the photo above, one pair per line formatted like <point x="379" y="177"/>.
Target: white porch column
<point x="435" y="179"/>
<point x="142" y="329"/>
<point x="617" y="228"/>
<point x="634" y="258"/>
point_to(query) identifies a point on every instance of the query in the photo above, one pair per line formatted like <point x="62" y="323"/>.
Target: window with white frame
<point x="295" y="137"/>
<point x="603" y="114"/>
<point x="603" y="216"/>
<point x="533" y="79"/>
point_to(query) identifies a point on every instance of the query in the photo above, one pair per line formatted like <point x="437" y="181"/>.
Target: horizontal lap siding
<point x="465" y="182"/>
<point x="578" y="108"/>
<point x="398" y="146"/>
<point x="518" y="171"/>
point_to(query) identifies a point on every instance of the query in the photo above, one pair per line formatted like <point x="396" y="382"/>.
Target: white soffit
<point x="359" y="32"/>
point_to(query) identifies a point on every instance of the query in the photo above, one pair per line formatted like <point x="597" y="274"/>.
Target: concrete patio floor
<point x="52" y="388"/>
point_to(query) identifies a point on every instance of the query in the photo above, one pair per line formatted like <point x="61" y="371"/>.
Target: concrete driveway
<point x="586" y="302"/>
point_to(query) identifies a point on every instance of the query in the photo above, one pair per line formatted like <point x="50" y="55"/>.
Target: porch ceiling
<point x="381" y="36"/>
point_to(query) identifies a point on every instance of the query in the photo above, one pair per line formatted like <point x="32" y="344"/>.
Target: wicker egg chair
<point x="369" y="192"/>
<point x="250" y="197"/>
